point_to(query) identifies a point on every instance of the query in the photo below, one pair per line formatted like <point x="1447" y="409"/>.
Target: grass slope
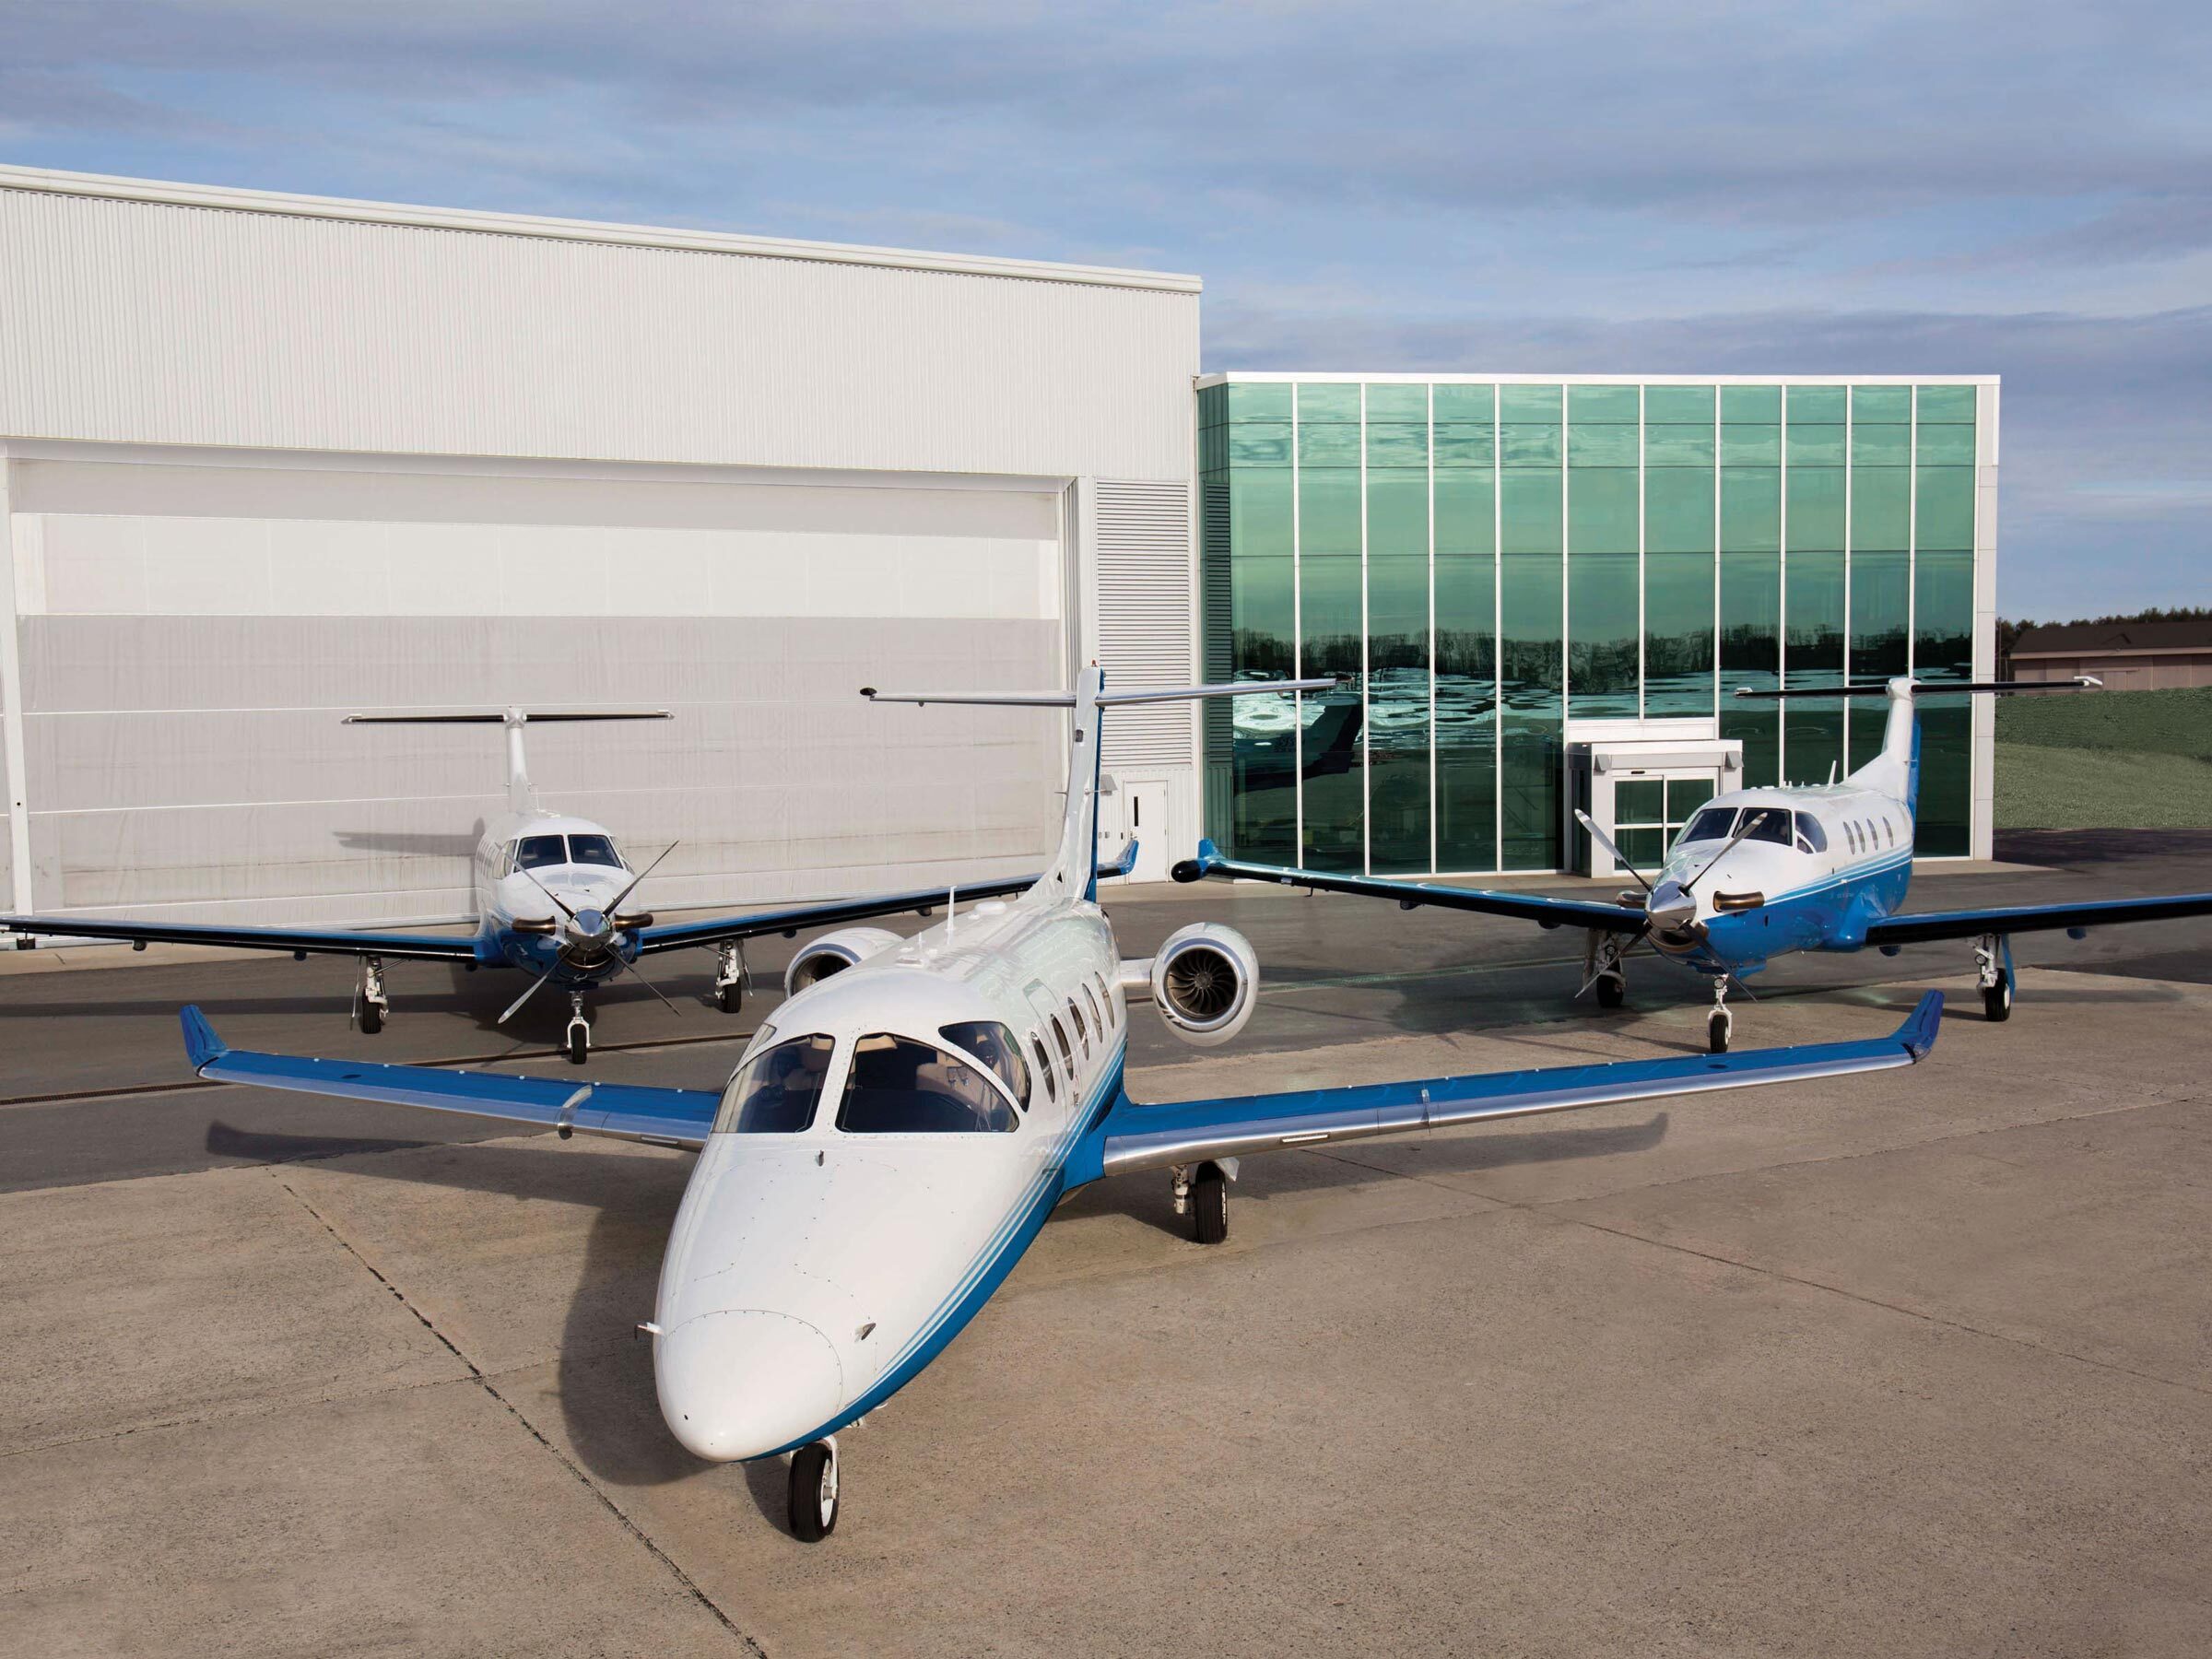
<point x="2105" y="761"/>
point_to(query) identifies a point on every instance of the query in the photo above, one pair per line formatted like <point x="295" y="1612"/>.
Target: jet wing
<point x="833" y="912"/>
<point x="1412" y="895"/>
<point x="300" y="941"/>
<point x="1150" y="1138"/>
<point x="2034" y="918"/>
<point x="663" y="1117"/>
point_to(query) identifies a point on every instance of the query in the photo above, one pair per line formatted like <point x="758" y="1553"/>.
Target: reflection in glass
<point x="1329" y="600"/>
<point x="1397" y="629"/>
<point x="1466" y="646"/>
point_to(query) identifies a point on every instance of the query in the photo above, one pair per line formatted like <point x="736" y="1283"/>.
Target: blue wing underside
<point x="304" y="941"/>
<point x="2034" y="918"/>
<point x="1413" y="895"/>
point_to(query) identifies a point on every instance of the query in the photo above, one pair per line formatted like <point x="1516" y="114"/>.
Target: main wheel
<point x="1716" y="1031"/>
<point x="1996" y="1000"/>
<point x="813" y="1492"/>
<point x="1611" y="991"/>
<point x="729" y="998"/>
<point x="373" y="1018"/>
<point x="579" y="1042"/>
<point x="1209" y="1205"/>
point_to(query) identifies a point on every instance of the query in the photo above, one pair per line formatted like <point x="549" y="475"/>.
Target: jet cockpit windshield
<point x="775" y="1092"/>
<point x="897" y="1085"/>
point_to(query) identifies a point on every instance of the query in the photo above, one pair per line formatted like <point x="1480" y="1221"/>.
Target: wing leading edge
<point x="1149" y="1137"/>
<point x="1412" y="895"/>
<point x="300" y="941"/>
<point x="665" y="1117"/>
<point x="2034" y="918"/>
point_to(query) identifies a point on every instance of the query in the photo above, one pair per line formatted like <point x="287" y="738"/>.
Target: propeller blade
<point x="630" y="968"/>
<point x="1604" y="841"/>
<point x="550" y="893"/>
<point x="1749" y="824"/>
<point x="615" y="904"/>
<point x="514" y="1008"/>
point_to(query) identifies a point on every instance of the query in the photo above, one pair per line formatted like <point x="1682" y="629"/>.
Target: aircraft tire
<point x="1611" y="992"/>
<point x="578" y="1044"/>
<point x="372" y="1020"/>
<point x="1716" y="1032"/>
<point x="814" y="1505"/>
<point x="1209" y="1205"/>
<point x="729" y="998"/>
<point x="1996" y="1000"/>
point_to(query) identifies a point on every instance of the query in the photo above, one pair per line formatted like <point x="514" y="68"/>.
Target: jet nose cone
<point x="741" y="1385"/>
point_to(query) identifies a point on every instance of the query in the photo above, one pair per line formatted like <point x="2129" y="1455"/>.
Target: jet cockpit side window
<point x="897" y="1086"/>
<point x="997" y="1048"/>
<point x="596" y="850"/>
<point x="1811" y="837"/>
<point x="1711" y="823"/>
<point x="776" y="1091"/>
<point x="539" y="853"/>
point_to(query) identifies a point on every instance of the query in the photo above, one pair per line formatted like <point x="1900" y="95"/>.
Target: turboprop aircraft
<point x="895" y="1137"/>
<point x="549" y="894"/>
<point x="1759" y="873"/>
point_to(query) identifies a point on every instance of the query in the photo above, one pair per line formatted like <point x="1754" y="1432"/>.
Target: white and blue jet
<point x="551" y="900"/>
<point x="893" y="1139"/>
<point x="1760" y="873"/>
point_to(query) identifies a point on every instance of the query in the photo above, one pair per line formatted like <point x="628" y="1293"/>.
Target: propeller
<point x="588" y="937"/>
<point x="1604" y="841"/>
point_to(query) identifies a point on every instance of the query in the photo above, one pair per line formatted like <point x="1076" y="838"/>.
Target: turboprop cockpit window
<point x="539" y="852"/>
<point x="896" y="1086"/>
<point x="1713" y="823"/>
<point x="997" y="1048"/>
<point x="1773" y="825"/>
<point x="775" y="1091"/>
<point x="1811" y="837"/>
<point x="595" y="850"/>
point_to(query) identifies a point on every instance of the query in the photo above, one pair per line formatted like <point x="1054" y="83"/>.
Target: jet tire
<point x="813" y="1492"/>
<point x="1209" y="1205"/>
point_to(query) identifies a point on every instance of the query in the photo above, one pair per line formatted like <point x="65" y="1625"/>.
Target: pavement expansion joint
<point x="483" y="1380"/>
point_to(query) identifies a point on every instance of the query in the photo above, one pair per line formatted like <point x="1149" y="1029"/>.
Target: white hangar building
<point x="266" y="460"/>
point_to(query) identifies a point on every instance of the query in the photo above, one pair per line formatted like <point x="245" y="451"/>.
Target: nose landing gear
<point x="578" y="1043"/>
<point x="1718" y="1023"/>
<point x="814" y="1490"/>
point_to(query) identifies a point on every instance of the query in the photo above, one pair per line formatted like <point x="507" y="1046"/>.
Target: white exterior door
<point x="1146" y="809"/>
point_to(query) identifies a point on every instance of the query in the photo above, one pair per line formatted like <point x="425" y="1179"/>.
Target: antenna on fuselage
<point x="519" y="798"/>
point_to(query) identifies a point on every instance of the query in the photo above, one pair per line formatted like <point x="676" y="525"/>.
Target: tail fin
<point x="519" y="796"/>
<point x="1073" y="872"/>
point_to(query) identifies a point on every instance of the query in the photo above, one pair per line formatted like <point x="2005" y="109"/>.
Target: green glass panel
<point x="1603" y="645"/>
<point x="1678" y="510"/>
<point x="1683" y="796"/>
<point x="1947" y="446"/>
<point x="1258" y="400"/>
<point x="1213" y="406"/>
<point x="1465" y="737"/>
<point x="1472" y="405"/>
<point x="1819" y="405"/>
<point x="1397" y="657"/>
<point x="1390" y="401"/>
<point x="1600" y="445"/>
<point x="1758" y="726"/>
<point x="1329" y="595"/>
<point x="1601" y="510"/>
<point x="1943" y="649"/>
<point x="1531" y="445"/>
<point x="1952" y="405"/>
<point x="1816" y="508"/>
<point x="1677" y="445"/>
<point x="1213" y="449"/>
<point x="1466" y="446"/>
<point x="1815" y="445"/>
<point x="1946" y="508"/>
<point x="1643" y="848"/>
<point x="1889" y="405"/>
<point x="1518" y="404"/>
<point x="1678" y="634"/>
<point x="1881" y="507"/>
<point x="1690" y="405"/>
<point x="1758" y="406"/>
<point x="1640" y="801"/>
<point x="1531" y="509"/>
<point x="1812" y="617"/>
<point x="1750" y="446"/>
<point x="1614" y="405"/>
<point x="1881" y="445"/>
<point x="1880" y="623"/>
<point x="1327" y="444"/>
<point x="1335" y="400"/>
<point x="1750" y="508"/>
<point x="1397" y="445"/>
<point x="1259" y="444"/>
<point x="1247" y="527"/>
<point x="1751" y="656"/>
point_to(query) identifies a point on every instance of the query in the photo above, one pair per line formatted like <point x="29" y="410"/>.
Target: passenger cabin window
<point x="1711" y="823"/>
<point x="1044" y="1067"/>
<point x="896" y="1086"/>
<point x="1074" y="1017"/>
<point x="539" y="853"/>
<point x="1067" y="1055"/>
<point x="775" y="1091"/>
<point x="1773" y="825"/>
<point x="1105" y="999"/>
<point x="595" y="850"/>
<point x="997" y="1048"/>
<point x="1097" y="1018"/>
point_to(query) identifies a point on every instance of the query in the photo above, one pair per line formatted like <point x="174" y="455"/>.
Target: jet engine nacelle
<point x="1205" y="981"/>
<point x="833" y="953"/>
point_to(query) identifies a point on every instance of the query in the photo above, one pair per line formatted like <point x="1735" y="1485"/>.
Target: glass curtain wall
<point x="1482" y="562"/>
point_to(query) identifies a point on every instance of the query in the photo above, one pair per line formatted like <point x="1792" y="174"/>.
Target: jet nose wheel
<point x="814" y="1492"/>
<point x="1996" y="1000"/>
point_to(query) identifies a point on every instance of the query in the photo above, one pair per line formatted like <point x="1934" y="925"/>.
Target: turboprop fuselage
<point x="542" y="885"/>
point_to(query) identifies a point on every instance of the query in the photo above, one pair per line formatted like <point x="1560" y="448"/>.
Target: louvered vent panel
<point x="1145" y="602"/>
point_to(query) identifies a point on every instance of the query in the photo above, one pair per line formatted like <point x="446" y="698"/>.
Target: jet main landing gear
<point x="1993" y="957"/>
<point x="1202" y="1194"/>
<point x="578" y="1042"/>
<point x="729" y="975"/>
<point x="1718" y="1023"/>
<point x="814" y="1490"/>
<point x="370" y="1007"/>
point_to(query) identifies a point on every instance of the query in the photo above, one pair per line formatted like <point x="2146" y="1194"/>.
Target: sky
<point x="2018" y="189"/>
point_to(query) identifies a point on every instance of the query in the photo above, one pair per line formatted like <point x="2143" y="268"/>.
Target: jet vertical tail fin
<point x="519" y="796"/>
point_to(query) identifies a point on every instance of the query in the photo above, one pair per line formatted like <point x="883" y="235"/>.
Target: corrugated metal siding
<point x="1145" y="598"/>
<point x="136" y="322"/>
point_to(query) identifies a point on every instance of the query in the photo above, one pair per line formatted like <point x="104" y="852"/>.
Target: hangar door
<point x="192" y="626"/>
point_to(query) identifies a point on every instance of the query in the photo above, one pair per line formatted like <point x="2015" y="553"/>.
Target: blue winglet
<point x="202" y="1046"/>
<point x="1918" y="1032"/>
<point x="1126" y="863"/>
<point x="1195" y="869"/>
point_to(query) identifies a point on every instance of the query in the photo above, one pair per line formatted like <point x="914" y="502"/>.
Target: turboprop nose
<point x="1671" y="910"/>
<point x="742" y="1385"/>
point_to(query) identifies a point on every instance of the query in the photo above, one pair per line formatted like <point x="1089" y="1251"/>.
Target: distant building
<point x="2127" y="657"/>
